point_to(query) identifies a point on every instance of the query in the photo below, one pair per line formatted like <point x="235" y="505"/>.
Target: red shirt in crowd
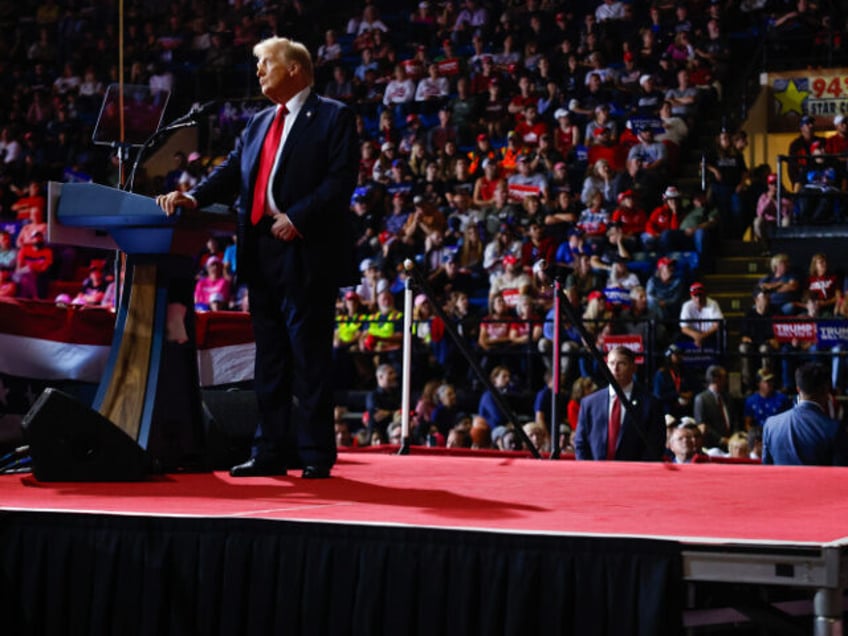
<point x="632" y="220"/>
<point x="662" y="219"/>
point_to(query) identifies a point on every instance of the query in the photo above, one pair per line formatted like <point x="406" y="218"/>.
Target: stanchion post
<point x="406" y="376"/>
<point x="555" y="370"/>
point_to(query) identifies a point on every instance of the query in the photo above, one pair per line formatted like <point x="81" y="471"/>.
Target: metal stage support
<point x="821" y="569"/>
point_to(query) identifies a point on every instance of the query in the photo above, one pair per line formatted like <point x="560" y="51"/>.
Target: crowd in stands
<point x="503" y="144"/>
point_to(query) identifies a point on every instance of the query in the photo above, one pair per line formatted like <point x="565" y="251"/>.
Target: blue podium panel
<point x="135" y="222"/>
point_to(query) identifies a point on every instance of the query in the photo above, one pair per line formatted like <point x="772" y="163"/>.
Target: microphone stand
<point x="186" y="121"/>
<point x="122" y="151"/>
<point x="406" y="376"/>
<point x="183" y="122"/>
<point x="555" y="370"/>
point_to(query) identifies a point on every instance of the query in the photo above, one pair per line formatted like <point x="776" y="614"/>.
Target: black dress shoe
<point x="315" y="472"/>
<point x="255" y="467"/>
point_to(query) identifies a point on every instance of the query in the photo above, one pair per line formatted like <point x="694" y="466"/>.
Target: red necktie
<point x="614" y="427"/>
<point x="266" y="163"/>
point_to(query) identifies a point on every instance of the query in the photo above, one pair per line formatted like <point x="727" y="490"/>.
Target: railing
<point x="829" y="335"/>
<point x="814" y="203"/>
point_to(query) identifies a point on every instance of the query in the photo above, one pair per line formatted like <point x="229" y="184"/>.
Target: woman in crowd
<point x="823" y="285"/>
<point x="213" y="283"/>
<point x="770" y="212"/>
<point x="493" y="338"/>
<point x="485" y="185"/>
<point x="446" y="412"/>
<point x="601" y="180"/>
<point x="488" y="407"/>
<point x="582" y="387"/>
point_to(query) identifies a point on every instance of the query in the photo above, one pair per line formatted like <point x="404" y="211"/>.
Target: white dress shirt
<point x="294" y="106"/>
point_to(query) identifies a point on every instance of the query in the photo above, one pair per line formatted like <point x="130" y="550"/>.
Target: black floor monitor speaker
<point x="70" y="442"/>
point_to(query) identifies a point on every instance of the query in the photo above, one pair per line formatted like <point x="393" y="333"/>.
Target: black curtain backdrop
<point x="84" y="574"/>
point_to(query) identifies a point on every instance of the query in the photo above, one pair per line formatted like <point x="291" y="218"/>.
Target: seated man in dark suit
<point x="712" y="409"/>
<point x="805" y="435"/>
<point x="606" y="429"/>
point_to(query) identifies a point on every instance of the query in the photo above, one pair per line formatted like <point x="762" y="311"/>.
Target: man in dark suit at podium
<point x="608" y="430"/>
<point x="292" y="174"/>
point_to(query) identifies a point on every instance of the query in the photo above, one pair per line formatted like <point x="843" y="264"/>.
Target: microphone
<point x="197" y="111"/>
<point x="191" y="118"/>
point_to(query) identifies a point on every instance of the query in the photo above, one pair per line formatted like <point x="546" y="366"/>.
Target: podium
<point x="150" y="387"/>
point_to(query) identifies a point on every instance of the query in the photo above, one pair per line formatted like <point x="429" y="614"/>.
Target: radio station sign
<point x="820" y="94"/>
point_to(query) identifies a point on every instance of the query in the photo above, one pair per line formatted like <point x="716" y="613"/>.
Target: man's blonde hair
<point x="288" y="51"/>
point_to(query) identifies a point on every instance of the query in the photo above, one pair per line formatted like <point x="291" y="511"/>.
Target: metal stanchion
<point x="406" y="376"/>
<point x="555" y="366"/>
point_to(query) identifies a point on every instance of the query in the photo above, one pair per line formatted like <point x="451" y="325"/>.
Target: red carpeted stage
<point x="418" y="544"/>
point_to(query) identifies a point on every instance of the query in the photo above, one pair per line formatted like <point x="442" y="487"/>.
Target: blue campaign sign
<point x="832" y="332"/>
<point x="617" y="295"/>
<point x="11" y="227"/>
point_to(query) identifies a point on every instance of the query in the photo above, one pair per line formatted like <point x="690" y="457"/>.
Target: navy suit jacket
<point x="804" y="436"/>
<point x="590" y="440"/>
<point x="313" y="184"/>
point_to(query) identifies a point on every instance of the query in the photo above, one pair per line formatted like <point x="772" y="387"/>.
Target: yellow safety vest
<point x="348" y="327"/>
<point x="383" y="326"/>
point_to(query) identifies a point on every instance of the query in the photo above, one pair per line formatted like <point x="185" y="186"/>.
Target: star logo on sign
<point x="791" y="98"/>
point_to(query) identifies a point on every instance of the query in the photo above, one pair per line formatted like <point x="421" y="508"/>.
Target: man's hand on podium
<point x="173" y="200"/>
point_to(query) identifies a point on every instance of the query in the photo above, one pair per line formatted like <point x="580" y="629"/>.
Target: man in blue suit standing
<point x="292" y="174"/>
<point x="805" y="435"/>
<point x="606" y="429"/>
